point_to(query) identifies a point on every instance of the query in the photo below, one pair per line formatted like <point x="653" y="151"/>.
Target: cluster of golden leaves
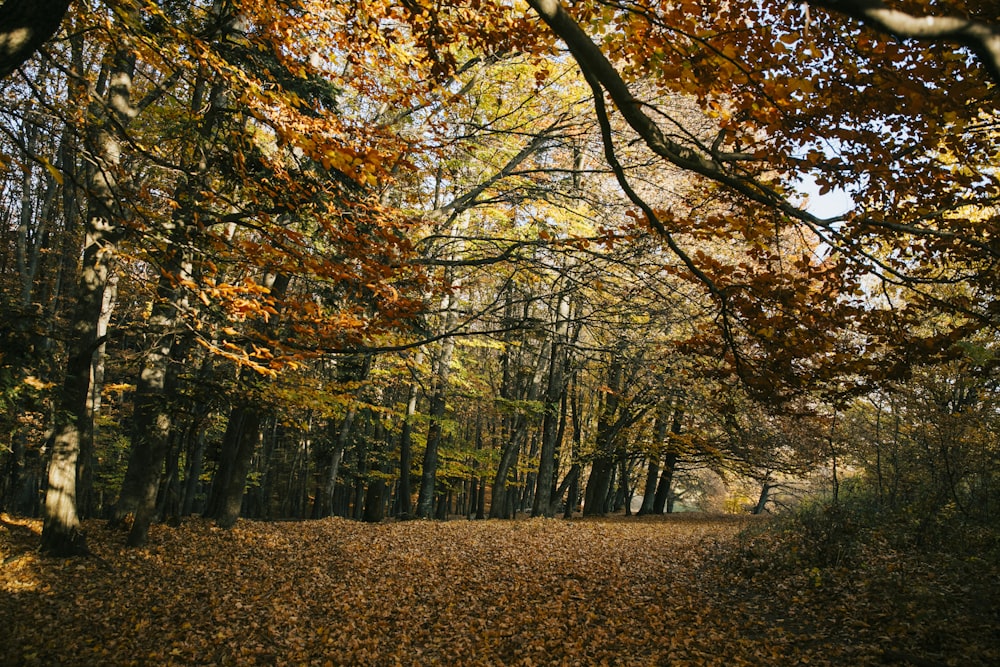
<point x="335" y="592"/>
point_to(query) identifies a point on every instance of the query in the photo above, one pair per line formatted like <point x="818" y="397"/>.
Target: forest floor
<point x="681" y="590"/>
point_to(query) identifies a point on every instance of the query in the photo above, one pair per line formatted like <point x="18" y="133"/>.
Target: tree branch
<point x="981" y="37"/>
<point x="595" y="64"/>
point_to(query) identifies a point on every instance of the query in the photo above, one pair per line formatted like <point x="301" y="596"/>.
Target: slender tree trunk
<point x="481" y="499"/>
<point x="336" y="456"/>
<point x="572" y="482"/>
<point x="375" y="495"/>
<point x="503" y="503"/>
<point x="85" y="467"/>
<point x="443" y="499"/>
<point x="405" y="492"/>
<point x="361" y="468"/>
<point x="499" y="508"/>
<point x="833" y="459"/>
<point x="649" y="488"/>
<point x="259" y="501"/>
<point x="569" y="484"/>
<point x="527" y="485"/>
<point x="152" y="424"/>
<point x="765" y="494"/>
<point x="192" y="470"/>
<point x="603" y="466"/>
<point x="572" y="493"/>
<point x="877" y="437"/>
<point x="227" y="459"/>
<point x="664" y="502"/>
<point x="168" y="501"/>
<point x="353" y="369"/>
<point x="663" y="487"/>
<point x="436" y="412"/>
<point x="553" y="417"/>
<point x="653" y="471"/>
<point x="374" y="501"/>
<point x="469" y="494"/>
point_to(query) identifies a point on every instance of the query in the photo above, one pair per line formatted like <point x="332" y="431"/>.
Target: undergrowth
<point x="929" y="581"/>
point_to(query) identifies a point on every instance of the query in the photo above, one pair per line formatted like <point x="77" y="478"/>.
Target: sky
<point x="833" y="203"/>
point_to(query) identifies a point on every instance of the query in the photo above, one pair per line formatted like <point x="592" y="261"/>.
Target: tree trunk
<point x="554" y="415"/>
<point x="85" y="468"/>
<point x="572" y="493"/>
<point x="152" y="420"/>
<point x="503" y="502"/>
<point x="436" y="409"/>
<point x="361" y="468"/>
<point x="835" y="478"/>
<point x="508" y="460"/>
<point x="663" y="502"/>
<point x="374" y="501"/>
<point x="663" y="488"/>
<point x="569" y="487"/>
<point x="623" y="494"/>
<point x="192" y="470"/>
<point x="336" y="455"/>
<point x="195" y="442"/>
<point x="258" y="500"/>
<point x="653" y="472"/>
<point x="572" y="481"/>
<point x="61" y="532"/>
<point x="649" y="488"/>
<point x="151" y="428"/>
<point x="242" y="436"/>
<point x="598" y="486"/>
<point x="436" y="412"/>
<point x="168" y="501"/>
<point x="603" y="466"/>
<point x="24" y="26"/>
<point x="405" y="492"/>
<point x="375" y="495"/>
<point x="765" y="494"/>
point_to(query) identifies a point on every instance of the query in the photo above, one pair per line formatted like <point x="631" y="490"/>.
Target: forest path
<point x="530" y="592"/>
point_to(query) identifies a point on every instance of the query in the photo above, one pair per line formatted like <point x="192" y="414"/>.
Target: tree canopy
<point x="303" y="258"/>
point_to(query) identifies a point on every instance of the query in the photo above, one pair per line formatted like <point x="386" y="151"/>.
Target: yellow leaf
<point x="56" y="174"/>
<point x="35" y="383"/>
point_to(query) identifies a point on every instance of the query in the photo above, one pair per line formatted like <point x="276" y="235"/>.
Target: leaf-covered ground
<point x="534" y="592"/>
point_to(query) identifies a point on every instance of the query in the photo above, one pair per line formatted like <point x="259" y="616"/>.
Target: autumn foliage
<point x="271" y="262"/>
<point x="688" y="590"/>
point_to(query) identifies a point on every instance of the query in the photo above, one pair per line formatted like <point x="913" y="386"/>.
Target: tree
<point x="289" y="190"/>
<point x="740" y="169"/>
<point x="927" y="445"/>
<point x="103" y="232"/>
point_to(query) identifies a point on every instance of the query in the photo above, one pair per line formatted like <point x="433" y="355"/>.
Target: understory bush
<point x="843" y="532"/>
